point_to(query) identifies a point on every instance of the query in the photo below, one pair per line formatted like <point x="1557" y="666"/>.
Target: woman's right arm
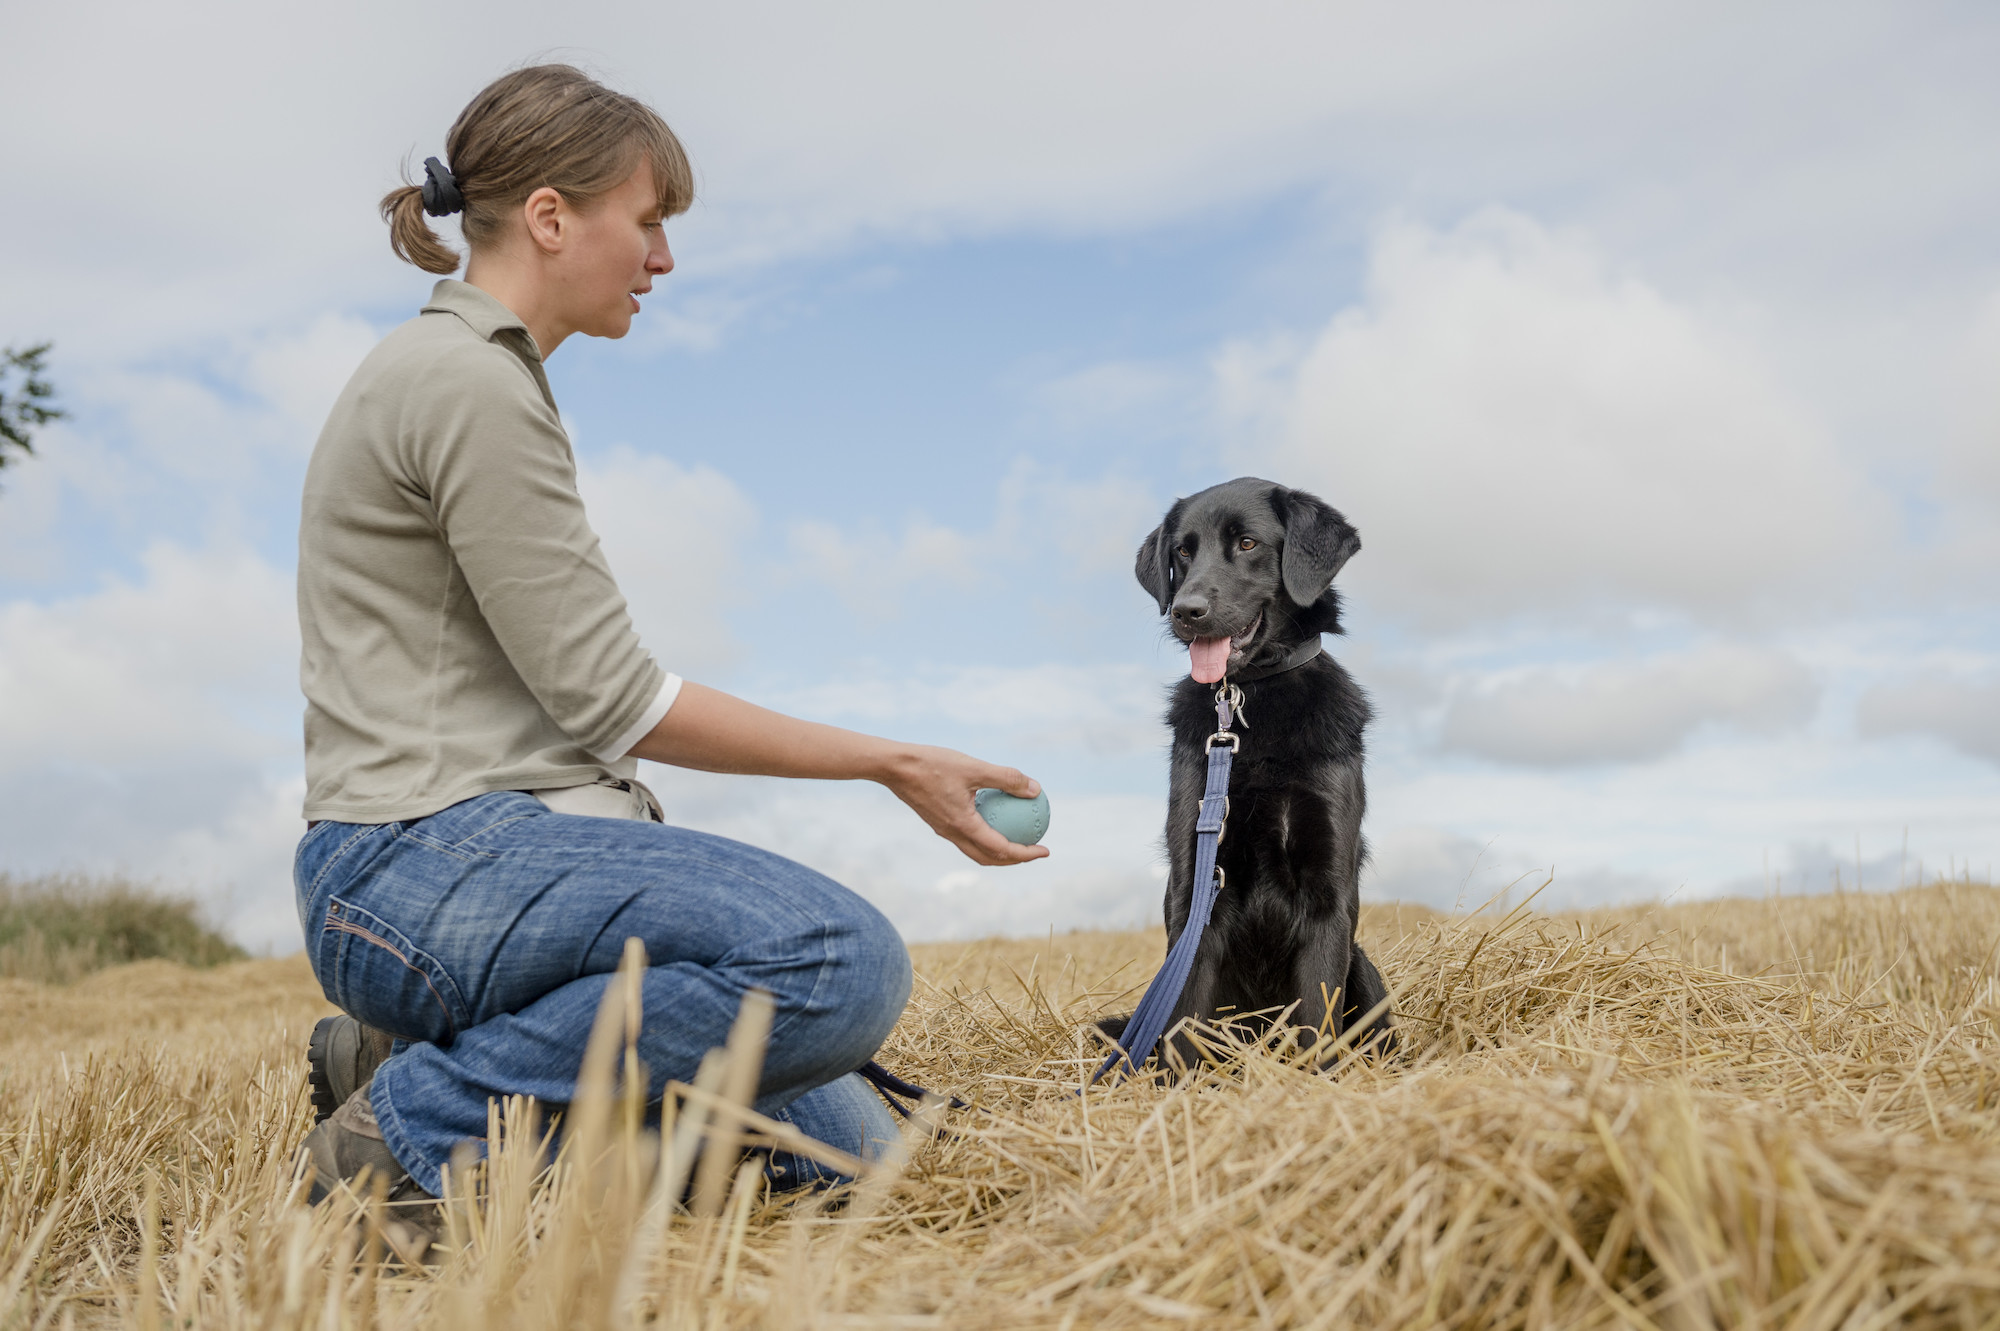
<point x="716" y="732"/>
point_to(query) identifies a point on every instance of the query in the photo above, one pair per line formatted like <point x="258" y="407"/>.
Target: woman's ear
<point x="1317" y="542"/>
<point x="1154" y="567"/>
<point x="546" y="214"/>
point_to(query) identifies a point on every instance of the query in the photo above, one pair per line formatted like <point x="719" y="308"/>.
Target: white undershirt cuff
<point x="670" y="689"/>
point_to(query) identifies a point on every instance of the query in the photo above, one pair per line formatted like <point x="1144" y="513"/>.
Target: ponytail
<point x="411" y="237"/>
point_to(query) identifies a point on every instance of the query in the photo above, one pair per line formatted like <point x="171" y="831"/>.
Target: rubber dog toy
<point x="1022" y="822"/>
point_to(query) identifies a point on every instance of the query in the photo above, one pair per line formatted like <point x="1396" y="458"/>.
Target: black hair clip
<point x="442" y="196"/>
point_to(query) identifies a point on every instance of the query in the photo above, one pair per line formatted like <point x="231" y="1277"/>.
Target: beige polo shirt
<point x="461" y="630"/>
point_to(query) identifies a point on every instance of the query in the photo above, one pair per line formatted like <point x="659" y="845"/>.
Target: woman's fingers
<point x="987" y="846"/>
<point x="1011" y="781"/>
<point x="963" y="827"/>
<point x="940" y="792"/>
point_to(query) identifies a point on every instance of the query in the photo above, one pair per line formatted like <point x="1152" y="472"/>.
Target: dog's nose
<point x="1191" y="612"/>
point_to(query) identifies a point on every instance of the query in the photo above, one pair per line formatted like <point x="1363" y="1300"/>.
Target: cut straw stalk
<point x="764" y="1131"/>
<point x="709" y="1112"/>
<point x="743" y="1066"/>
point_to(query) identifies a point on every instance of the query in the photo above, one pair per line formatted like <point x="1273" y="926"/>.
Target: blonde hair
<point x="546" y="125"/>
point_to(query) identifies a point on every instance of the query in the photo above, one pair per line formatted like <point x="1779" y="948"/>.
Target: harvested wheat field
<point x="1743" y="1113"/>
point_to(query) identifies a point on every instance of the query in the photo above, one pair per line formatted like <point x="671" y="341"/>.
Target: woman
<point x="478" y="846"/>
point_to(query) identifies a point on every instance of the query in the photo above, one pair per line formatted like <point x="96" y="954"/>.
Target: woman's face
<point x="621" y="246"/>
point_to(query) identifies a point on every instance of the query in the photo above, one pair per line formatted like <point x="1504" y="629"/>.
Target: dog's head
<point x="1250" y="562"/>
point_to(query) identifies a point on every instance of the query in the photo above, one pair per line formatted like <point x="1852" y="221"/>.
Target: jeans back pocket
<point x="374" y="972"/>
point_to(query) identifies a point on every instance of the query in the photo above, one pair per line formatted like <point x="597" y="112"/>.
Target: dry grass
<point x="1739" y="1113"/>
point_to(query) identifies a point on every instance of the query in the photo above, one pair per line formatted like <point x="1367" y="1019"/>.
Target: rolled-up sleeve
<point x="502" y="482"/>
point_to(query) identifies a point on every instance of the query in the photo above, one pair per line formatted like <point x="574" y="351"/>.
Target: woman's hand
<point x="938" y="784"/>
<point x="711" y="731"/>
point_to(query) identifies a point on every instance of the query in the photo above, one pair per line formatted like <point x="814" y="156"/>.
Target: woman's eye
<point x="1247" y="543"/>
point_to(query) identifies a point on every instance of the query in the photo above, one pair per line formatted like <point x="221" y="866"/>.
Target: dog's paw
<point x="1112" y="1028"/>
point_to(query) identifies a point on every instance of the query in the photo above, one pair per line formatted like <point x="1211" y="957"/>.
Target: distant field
<point x="1741" y="1113"/>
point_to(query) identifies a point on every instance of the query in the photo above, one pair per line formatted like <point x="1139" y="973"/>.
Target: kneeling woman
<point x="479" y="847"/>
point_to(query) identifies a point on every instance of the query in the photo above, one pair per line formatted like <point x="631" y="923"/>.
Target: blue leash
<point x="894" y="1090"/>
<point x="1149" y="1021"/>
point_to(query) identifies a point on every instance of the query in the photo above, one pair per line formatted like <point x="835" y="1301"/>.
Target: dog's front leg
<point x="1330" y="889"/>
<point x="1183" y="810"/>
<point x="1198" y="1001"/>
<point x="1320" y="974"/>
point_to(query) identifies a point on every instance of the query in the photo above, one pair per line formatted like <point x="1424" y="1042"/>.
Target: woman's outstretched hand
<point x="711" y="731"/>
<point x="938" y="784"/>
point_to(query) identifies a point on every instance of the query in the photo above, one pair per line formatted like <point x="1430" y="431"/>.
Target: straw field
<point x="1780" y="1113"/>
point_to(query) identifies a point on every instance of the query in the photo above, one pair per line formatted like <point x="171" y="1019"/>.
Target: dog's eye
<point x="1183" y="553"/>
<point x="1247" y="543"/>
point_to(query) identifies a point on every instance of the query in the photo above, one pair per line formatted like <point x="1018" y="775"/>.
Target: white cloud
<point x="1975" y="462"/>
<point x="679" y="541"/>
<point x="241" y="857"/>
<point x="150" y="727"/>
<point x="300" y="375"/>
<point x="1517" y="428"/>
<point x="1627" y="712"/>
<point x="870" y="572"/>
<point x="1107" y="710"/>
<point x="1447" y="871"/>
<point x="1111" y="391"/>
<point x="1960" y="711"/>
<point x="1094" y="524"/>
<point x="1962" y="527"/>
<point x="34" y="490"/>
<point x="813" y="126"/>
<point x="190" y="659"/>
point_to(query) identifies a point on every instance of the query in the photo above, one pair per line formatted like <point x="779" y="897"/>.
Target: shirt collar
<point x="482" y="312"/>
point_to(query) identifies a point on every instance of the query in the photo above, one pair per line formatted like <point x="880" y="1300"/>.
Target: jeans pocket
<point x="374" y="972"/>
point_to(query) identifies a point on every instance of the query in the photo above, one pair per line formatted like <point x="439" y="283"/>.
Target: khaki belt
<point x="610" y="797"/>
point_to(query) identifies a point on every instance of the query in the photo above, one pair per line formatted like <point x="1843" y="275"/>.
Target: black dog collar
<point x="1301" y="654"/>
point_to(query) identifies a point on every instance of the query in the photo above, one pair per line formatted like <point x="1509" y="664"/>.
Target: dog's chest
<point x="1277" y="840"/>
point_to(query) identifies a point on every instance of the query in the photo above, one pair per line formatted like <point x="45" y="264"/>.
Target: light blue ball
<point x="1022" y="822"/>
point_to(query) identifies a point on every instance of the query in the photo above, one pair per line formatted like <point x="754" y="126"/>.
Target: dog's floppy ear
<point x="1155" y="567"/>
<point x="1317" y="542"/>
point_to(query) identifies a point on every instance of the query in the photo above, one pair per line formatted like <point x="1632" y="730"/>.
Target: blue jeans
<point x="486" y="935"/>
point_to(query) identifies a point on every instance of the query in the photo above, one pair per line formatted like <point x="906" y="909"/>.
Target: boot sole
<point x="323" y="1099"/>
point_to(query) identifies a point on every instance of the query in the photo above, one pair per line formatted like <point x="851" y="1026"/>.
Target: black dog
<point x="1245" y="572"/>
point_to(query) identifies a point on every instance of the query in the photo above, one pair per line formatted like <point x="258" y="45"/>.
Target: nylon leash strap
<point x="894" y="1090"/>
<point x="1149" y="1020"/>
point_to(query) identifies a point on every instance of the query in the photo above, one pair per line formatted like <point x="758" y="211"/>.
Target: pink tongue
<point x="1208" y="659"/>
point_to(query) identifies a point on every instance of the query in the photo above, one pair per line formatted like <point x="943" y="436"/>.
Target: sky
<point x="1653" y="350"/>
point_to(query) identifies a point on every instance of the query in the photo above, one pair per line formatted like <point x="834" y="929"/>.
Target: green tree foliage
<point x="27" y="406"/>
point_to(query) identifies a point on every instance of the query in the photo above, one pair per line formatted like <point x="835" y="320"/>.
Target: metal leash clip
<point x="1228" y="711"/>
<point x="1231" y="696"/>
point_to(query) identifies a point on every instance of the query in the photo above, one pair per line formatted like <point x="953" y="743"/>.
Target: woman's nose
<point x="661" y="260"/>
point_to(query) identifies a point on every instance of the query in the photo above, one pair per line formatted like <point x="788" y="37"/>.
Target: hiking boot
<point x="341" y="1057"/>
<point x="348" y="1148"/>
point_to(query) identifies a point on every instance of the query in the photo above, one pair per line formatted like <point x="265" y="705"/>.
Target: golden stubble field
<point x="1780" y="1113"/>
